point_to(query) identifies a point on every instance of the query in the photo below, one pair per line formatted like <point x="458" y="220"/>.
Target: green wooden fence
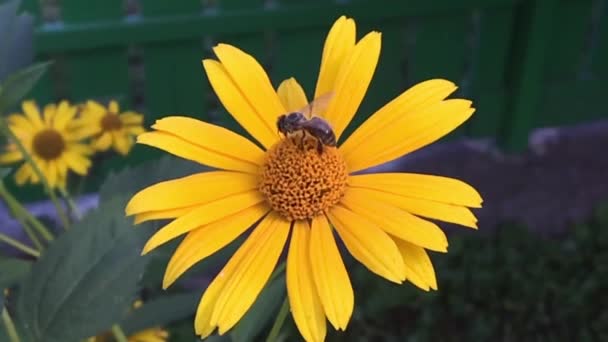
<point x="525" y="63"/>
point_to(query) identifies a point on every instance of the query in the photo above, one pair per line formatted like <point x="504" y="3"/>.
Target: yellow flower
<point x="54" y="147"/>
<point x="287" y="187"/>
<point x="109" y="127"/>
<point x="150" y="335"/>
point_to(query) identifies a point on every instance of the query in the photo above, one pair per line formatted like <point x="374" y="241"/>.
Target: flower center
<point x="299" y="182"/>
<point x="48" y="144"/>
<point x="111" y="122"/>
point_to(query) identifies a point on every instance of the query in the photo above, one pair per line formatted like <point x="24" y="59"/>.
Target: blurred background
<point x="537" y="71"/>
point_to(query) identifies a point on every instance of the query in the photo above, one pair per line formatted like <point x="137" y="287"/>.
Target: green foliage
<point x="161" y="311"/>
<point x="86" y="280"/>
<point x="132" y="179"/>
<point x="262" y="313"/>
<point x="18" y="84"/>
<point x="510" y="285"/>
<point x="13" y="270"/>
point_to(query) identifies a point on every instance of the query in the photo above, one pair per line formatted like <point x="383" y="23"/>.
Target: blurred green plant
<point x="510" y="285"/>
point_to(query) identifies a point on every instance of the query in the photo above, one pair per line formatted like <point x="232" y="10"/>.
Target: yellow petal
<point x="65" y="113"/>
<point x="304" y="301"/>
<point x="23" y="174"/>
<point x="403" y="107"/>
<point x="398" y="222"/>
<point x="339" y="44"/>
<point x="213" y="138"/>
<point x="104" y="142"/>
<point x="10" y="157"/>
<point x="352" y="81"/>
<point x="368" y="244"/>
<point x="411" y="132"/>
<point x="19" y="122"/>
<point x="113" y="107"/>
<point x="95" y="107"/>
<point x="206" y="240"/>
<point x="248" y="279"/>
<point x="428" y="187"/>
<point x="292" y="95"/>
<point x="434" y="210"/>
<point x="244" y="89"/>
<point x="81" y="149"/>
<point x="77" y="162"/>
<point x="135" y="130"/>
<point x="329" y="274"/>
<point x="187" y="150"/>
<point x="131" y="118"/>
<point x="51" y="173"/>
<point x="418" y="265"/>
<point x="49" y="114"/>
<point x="163" y="214"/>
<point x="203" y="215"/>
<point x="122" y="143"/>
<point x="30" y="109"/>
<point x="203" y="324"/>
<point x="191" y="190"/>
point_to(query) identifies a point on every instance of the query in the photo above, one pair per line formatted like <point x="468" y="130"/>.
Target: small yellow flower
<point x="150" y="335"/>
<point x="155" y="334"/>
<point x="288" y="187"/>
<point x="54" y="147"/>
<point x="109" y="128"/>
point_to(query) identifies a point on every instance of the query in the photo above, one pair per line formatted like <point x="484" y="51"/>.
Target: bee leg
<point x="302" y="138"/>
<point x="319" y="146"/>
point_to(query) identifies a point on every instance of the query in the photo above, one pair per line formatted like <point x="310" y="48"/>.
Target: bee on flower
<point x="304" y="186"/>
<point x="108" y="127"/>
<point x="53" y="144"/>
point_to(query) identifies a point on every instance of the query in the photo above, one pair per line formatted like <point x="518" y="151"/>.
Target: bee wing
<point x="318" y="105"/>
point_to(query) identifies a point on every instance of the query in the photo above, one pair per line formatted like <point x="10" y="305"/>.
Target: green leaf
<point x="12" y="271"/>
<point x="4" y="171"/>
<point x="86" y="280"/>
<point x="132" y="179"/>
<point x="18" y="84"/>
<point x="262" y="312"/>
<point x="161" y="311"/>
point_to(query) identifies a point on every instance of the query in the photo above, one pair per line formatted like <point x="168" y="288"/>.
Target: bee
<point x="304" y="121"/>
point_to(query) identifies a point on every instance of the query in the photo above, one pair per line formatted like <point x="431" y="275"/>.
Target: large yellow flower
<point x="287" y="188"/>
<point x="109" y="127"/>
<point x="54" y="147"/>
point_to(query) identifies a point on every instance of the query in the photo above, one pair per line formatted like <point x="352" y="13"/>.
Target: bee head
<point x="290" y="122"/>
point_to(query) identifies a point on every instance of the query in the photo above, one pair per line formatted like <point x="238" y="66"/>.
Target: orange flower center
<point x="299" y="182"/>
<point x="48" y="144"/>
<point x="111" y="122"/>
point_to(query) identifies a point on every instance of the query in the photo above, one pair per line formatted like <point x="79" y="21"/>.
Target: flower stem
<point x="18" y="245"/>
<point x="28" y="158"/>
<point x="31" y="234"/>
<point x="278" y="323"/>
<point x="71" y="204"/>
<point x="119" y="335"/>
<point x="11" y="331"/>
<point x="21" y="212"/>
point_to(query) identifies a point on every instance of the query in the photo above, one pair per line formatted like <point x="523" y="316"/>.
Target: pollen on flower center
<point x="111" y="122"/>
<point x="299" y="182"/>
<point x="48" y="144"/>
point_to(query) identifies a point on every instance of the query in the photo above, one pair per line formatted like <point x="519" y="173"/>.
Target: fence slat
<point x="488" y="84"/>
<point x="528" y="87"/>
<point x="440" y="51"/>
<point x="97" y="73"/>
<point x="175" y="83"/>
<point x="567" y="39"/>
<point x="43" y="90"/>
<point x="600" y="54"/>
